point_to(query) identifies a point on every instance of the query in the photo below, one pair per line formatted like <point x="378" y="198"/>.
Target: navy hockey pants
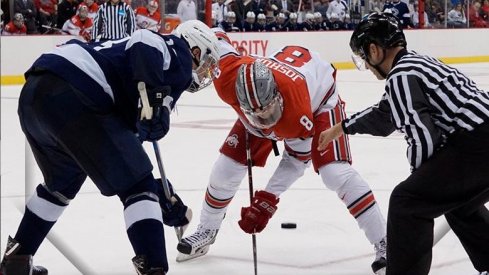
<point x="454" y="182"/>
<point x="71" y="140"/>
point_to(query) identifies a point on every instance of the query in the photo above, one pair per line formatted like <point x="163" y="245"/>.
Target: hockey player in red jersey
<point x="148" y="17"/>
<point x="290" y="96"/>
<point x="80" y="24"/>
<point x="16" y="26"/>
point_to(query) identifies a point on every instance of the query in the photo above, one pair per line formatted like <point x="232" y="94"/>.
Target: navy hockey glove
<point x="156" y="127"/>
<point x="174" y="210"/>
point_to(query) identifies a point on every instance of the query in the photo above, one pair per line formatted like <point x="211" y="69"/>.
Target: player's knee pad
<point x="350" y="187"/>
<point x="336" y="174"/>
<point x="141" y="202"/>
<point x="226" y="175"/>
<point x="46" y="204"/>
<point x="224" y="181"/>
<point x="344" y="180"/>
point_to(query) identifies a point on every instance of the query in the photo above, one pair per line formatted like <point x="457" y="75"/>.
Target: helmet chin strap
<point x="377" y="66"/>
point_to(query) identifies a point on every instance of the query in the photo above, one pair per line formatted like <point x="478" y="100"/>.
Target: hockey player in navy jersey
<point x="79" y="112"/>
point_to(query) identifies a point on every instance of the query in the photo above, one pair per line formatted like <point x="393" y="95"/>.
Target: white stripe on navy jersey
<point x="156" y="41"/>
<point x="114" y="21"/>
<point x="85" y="62"/>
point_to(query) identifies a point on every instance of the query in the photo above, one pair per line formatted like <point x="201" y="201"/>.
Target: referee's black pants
<point x="454" y="182"/>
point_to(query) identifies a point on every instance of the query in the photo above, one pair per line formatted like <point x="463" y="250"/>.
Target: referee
<point x="445" y="119"/>
<point x="115" y="20"/>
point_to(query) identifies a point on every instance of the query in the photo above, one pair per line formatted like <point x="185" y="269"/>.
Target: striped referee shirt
<point x="427" y="101"/>
<point x="113" y="21"/>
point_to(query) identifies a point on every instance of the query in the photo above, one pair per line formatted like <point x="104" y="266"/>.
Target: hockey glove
<point x="156" y="127"/>
<point x="175" y="212"/>
<point x="255" y="217"/>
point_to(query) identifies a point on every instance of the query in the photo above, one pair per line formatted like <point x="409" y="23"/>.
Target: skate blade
<point x="186" y="257"/>
<point x="380" y="271"/>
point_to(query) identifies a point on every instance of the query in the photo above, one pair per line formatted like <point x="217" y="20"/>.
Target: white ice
<point x="90" y="236"/>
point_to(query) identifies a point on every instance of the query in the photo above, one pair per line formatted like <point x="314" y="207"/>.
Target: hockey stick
<point x="147" y="113"/>
<point x="250" y="187"/>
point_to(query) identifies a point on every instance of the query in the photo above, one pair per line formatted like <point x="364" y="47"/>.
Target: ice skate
<point x="18" y="264"/>
<point x="380" y="263"/>
<point x="141" y="265"/>
<point x="197" y="244"/>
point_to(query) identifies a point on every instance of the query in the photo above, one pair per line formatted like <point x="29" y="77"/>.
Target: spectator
<point x="456" y="17"/>
<point x="47" y="13"/>
<point x="322" y="8"/>
<point x="138" y="3"/>
<point x="92" y="8"/>
<point x="259" y="6"/>
<point x="80" y="24"/>
<point x="278" y="24"/>
<point x="292" y="24"/>
<point x="400" y="10"/>
<point x="66" y="10"/>
<point x="230" y="24"/>
<point x="436" y="15"/>
<point x="148" y="17"/>
<point x="415" y="17"/>
<point x="187" y="10"/>
<point x="261" y="22"/>
<point x="335" y="23"/>
<point x="282" y="6"/>
<point x="339" y="8"/>
<point x="220" y="10"/>
<point x="242" y="8"/>
<point x="115" y="20"/>
<point x="485" y="10"/>
<point x="308" y="24"/>
<point x="28" y="9"/>
<point x="319" y="23"/>
<point x="16" y="26"/>
<point x="475" y="18"/>
<point x="249" y="24"/>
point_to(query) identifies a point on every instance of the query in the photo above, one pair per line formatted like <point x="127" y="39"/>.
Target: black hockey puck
<point x="288" y="225"/>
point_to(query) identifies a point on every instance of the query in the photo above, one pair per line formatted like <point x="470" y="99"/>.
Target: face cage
<point x="268" y="116"/>
<point x="202" y="76"/>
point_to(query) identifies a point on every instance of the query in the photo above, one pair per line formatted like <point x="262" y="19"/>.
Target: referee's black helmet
<point x="380" y="28"/>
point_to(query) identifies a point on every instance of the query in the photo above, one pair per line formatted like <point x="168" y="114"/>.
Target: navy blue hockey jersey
<point x="106" y="73"/>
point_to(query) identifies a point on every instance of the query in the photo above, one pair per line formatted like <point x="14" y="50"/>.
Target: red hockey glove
<point x="255" y="217"/>
<point x="85" y="34"/>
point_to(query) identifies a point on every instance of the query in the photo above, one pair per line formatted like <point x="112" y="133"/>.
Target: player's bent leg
<point x="144" y="226"/>
<point x="42" y="211"/>
<point x="224" y="181"/>
<point x="14" y="263"/>
<point x="360" y="201"/>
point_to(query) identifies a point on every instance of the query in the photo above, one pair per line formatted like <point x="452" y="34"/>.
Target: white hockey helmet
<point x="203" y="45"/>
<point x="257" y="95"/>
<point x="250" y="14"/>
<point x="293" y="15"/>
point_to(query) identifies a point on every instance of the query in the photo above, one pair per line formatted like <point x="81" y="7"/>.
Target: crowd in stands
<point x="80" y="17"/>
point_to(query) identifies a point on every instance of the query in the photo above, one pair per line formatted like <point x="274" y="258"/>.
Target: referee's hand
<point x="328" y="135"/>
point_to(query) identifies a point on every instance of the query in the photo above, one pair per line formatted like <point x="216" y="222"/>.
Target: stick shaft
<point x="250" y="187"/>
